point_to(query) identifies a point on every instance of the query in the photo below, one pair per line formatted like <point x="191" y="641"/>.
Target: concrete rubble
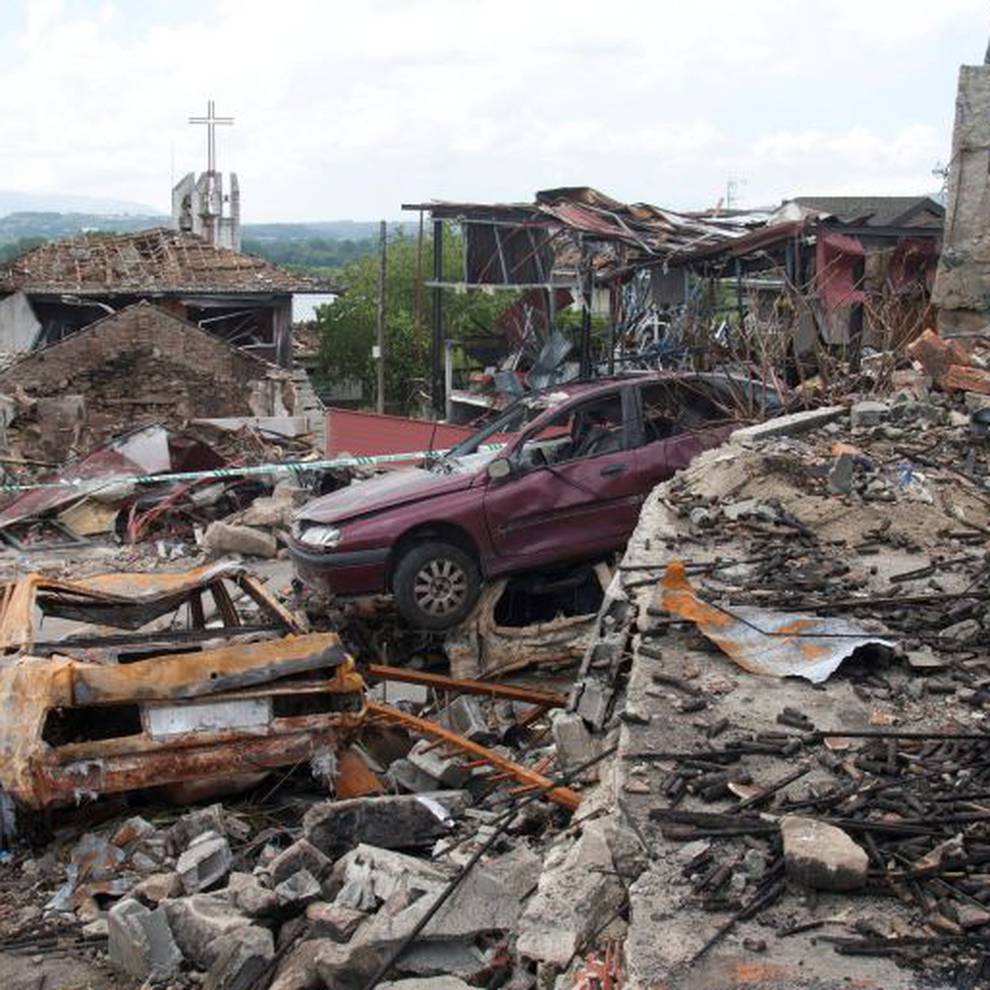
<point x="710" y="815"/>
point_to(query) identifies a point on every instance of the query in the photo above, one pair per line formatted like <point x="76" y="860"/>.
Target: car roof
<point x="590" y="385"/>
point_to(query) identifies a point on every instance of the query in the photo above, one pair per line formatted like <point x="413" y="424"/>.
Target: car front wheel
<point x="436" y="585"/>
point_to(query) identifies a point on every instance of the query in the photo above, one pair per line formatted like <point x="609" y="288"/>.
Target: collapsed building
<point x="54" y="290"/>
<point x="140" y="366"/>
<point x="768" y="769"/>
<point x="817" y="276"/>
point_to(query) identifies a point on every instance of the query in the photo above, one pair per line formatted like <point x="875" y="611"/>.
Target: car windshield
<point x="515" y="419"/>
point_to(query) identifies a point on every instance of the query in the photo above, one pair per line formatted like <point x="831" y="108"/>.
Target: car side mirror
<point x="501" y="467"/>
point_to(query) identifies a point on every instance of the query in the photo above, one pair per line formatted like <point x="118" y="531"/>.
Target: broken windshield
<point x="518" y="416"/>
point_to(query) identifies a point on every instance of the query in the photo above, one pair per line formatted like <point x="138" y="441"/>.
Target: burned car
<point x="560" y="475"/>
<point x="178" y="689"/>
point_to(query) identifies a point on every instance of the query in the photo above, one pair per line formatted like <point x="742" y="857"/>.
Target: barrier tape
<point x="88" y="485"/>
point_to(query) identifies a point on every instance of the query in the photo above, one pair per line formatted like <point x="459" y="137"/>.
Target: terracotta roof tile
<point x="159" y="260"/>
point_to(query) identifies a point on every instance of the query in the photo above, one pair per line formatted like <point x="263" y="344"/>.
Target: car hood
<point x="383" y="492"/>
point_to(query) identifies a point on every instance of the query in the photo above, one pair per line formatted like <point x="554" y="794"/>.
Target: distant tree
<point x="349" y="324"/>
<point x="308" y="252"/>
<point x="14" y="249"/>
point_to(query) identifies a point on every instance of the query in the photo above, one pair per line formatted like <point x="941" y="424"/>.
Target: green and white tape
<point x="86" y="485"/>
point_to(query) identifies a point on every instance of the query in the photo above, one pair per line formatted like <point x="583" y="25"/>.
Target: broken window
<point x="670" y="408"/>
<point x="587" y="430"/>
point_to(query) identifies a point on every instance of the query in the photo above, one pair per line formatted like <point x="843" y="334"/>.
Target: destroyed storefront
<point x="58" y="288"/>
<point x="570" y="247"/>
<point x="825" y="278"/>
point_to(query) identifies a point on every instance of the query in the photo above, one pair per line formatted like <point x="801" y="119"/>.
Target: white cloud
<point x="347" y="109"/>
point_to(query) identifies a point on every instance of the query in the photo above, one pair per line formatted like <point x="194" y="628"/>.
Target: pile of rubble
<point x="804" y="720"/>
<point x="426" y="876"/>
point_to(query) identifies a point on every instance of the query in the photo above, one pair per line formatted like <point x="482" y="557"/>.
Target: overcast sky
<point x="347" y="109"/>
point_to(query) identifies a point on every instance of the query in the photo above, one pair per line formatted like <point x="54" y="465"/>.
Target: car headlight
<point x="326" y="537"/>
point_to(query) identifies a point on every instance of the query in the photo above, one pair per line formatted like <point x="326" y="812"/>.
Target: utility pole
<point x="380" y="348"/>
<point x="436" y="344"/>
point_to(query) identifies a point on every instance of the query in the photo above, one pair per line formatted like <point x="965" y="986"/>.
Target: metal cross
<point x="211" y="121"/>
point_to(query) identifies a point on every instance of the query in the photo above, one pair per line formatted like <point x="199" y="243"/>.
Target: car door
<point x="678" y="419"/>
<point x="573" y="489"/>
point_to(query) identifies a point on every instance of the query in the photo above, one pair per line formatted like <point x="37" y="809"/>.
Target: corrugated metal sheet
<point x="776" y="644"/>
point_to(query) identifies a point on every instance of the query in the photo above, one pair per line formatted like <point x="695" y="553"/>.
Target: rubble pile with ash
<point x="796" y="829"/>
<point x="435" y="862"/>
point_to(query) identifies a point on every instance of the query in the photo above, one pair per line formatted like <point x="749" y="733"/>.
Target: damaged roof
<point x="159" y="260"/>
<point x="873" y="211"/>
<point x="651" y="230"/>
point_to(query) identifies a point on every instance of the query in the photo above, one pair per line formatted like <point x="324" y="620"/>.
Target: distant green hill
<point x="321" y="244"/>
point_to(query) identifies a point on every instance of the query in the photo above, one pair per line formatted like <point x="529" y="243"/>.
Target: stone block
<point x="793" y="424"/>
<point x="133" y="830"/>
<point x="301" y="855"/>
<point x="298" y="971"/>
<point x="157" y="887"/>
<point x="465" y="716"/>
<point x="268" y="513"/>
<point x="428" y="983"/>
<point x="961" y="632"/>
<point x="964" y="379"/>
<point x="840" y="474"/>
<point x="460" y="959"/>
<point x="391" y="822"/>
<point x="935" y="354"/>
<point x="334" y="921"/>
<point x="482" y="904"/>
<point x="242" y="958"/>
<point x="251" y="897"/>
<point x="577" y="894"/>
<point x="223" y="538"/>
<point x="593" y="701"/>
<point x="575" y="744"/>
<point x="388" y="871"/>
<point x="822" y="856"/>
<point x="447" y="771"/>
<point x="410" y="778"/>
<point x="297" y="892"/>
<point x="140" y="941"/>
<point x="205" y="862"/>
<point x="197" y="922"/>
<point x="208" y="819"/>
<point x="868" y="413"/>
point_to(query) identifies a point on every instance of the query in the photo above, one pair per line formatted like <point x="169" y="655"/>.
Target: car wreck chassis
<point x="109" y="712"/>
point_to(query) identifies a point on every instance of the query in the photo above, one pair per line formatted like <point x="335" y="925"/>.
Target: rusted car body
<point x="568" y="485"/>
<point x="178" y="689"/>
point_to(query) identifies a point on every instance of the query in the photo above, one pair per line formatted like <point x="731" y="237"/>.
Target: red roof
<point x="364" y="434"/>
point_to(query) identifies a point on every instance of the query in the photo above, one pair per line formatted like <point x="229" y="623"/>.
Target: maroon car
<point x="575" y="465"/>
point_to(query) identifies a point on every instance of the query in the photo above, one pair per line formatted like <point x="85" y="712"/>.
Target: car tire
<point x="436" y="585"/>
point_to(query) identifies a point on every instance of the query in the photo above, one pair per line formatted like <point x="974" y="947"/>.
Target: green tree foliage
<point x="13" y="249"/>
<point x="310" y="252"/>
<point x="348" y="325"/>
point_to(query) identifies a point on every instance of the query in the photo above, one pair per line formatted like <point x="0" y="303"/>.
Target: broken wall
<point x="143" y="365"/>
<point x="962" y="284"/>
